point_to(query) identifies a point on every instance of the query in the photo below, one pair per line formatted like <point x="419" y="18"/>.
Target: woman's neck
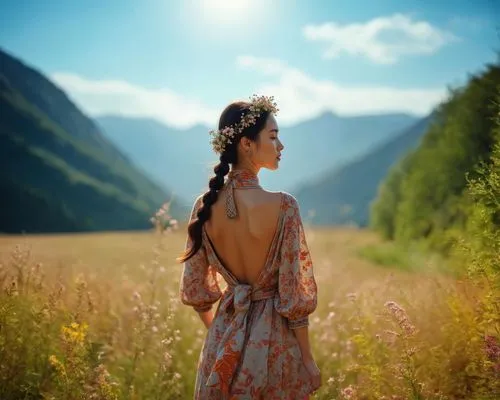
<point x="244" y="178"/>
<point x="246" y="167"/>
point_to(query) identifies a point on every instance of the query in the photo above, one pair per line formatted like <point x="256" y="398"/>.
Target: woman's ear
<point x="246" y="144"/>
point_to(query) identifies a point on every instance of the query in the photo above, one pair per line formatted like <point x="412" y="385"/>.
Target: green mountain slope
<point x="425" y="198"/>
<point x="58" y="173"/>
<point x="343" y="195"/>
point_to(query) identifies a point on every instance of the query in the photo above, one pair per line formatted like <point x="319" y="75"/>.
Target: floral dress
<point x="250" y="351"/>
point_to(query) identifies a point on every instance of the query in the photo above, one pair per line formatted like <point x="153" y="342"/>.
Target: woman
<point x="257" y="346"/>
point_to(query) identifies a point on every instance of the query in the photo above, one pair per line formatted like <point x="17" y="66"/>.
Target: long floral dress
<point x="250" y="351"/>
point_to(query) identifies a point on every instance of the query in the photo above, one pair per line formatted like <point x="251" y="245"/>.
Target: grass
<point x="97" y="316"/>
<point x="410" y="259"/>
<point x="387" y="255"/>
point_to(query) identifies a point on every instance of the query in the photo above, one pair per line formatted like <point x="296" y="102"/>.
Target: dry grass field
<point x="97" y="316"/>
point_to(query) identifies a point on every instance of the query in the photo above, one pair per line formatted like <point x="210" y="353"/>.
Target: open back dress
<point x="250" y="350"/>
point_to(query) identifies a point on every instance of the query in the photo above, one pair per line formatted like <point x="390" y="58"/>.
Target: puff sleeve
<point x="199" y="287"/>
<point x="297" y="289"/>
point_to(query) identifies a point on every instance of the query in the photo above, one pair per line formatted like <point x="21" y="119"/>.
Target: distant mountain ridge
<point x="184" y="159"/>
<point x="343" y="195"/>
<point x="181" y="158"/>
<point x="58" y="172"/>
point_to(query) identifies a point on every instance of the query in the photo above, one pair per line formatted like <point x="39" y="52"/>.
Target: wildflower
<point x="411" y="351"/>
<point x="401" y="316"/>
<point x="167" y="359"/>
<point x="492" y="348"/>
<point x="352" y="296"/>
<point x="348" y="393"/>
<point x="163" y="221"/>
<point x="57" y="365"/>
<point x="136" y="296"/>
<point x="74" y="333"/>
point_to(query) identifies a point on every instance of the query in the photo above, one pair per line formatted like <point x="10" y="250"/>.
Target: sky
<point x="182" y="61"/>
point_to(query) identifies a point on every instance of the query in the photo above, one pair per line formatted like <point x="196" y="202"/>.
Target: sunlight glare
<point x="227" y="10"/>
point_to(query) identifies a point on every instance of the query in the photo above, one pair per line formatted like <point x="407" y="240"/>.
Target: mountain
<point x="58" y="173"/>
<point x="181" y="158"/>
<point x="315" y="146"/>
<point x="184" y="159"/>
<point x="343" y="195"/>
<point x="428" y="197"/>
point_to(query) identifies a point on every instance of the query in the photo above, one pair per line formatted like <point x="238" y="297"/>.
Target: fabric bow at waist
<point x="231" y="345"/>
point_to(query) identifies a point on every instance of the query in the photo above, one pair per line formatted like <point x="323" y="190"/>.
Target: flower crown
<point x="258" y="104"/>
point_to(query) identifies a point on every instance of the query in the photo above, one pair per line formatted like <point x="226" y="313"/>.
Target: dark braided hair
<point x="230" y="116"/>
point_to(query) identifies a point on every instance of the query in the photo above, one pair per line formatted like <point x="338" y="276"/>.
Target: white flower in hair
<point x="258" y="104"/>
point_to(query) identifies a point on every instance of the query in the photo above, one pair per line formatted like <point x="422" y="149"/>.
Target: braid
<point x="204" y="213"/>
<point x="231" y="115"/>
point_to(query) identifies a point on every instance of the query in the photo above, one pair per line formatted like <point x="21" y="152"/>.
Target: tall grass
<point x="97" y="316"/>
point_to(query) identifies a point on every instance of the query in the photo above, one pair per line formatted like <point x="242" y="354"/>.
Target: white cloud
<point x="383" y="40"/>
<point x="98" y="97"/>
<point x="301" y="96"/>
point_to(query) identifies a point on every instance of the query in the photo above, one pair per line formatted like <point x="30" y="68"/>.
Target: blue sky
<point x="182" y="61"/>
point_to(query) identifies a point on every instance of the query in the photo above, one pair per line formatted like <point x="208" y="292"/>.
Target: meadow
<point x="97" y="316"/>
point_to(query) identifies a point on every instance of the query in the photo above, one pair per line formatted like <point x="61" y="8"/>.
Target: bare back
<point x="242" y="244"/>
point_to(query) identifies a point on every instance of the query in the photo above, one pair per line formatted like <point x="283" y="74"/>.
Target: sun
<point x="233" y="11"/>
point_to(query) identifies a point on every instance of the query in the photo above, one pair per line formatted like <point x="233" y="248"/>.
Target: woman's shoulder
<point x="290" y="201"/>
<point x="198" y="202"/>
<point x="286" y="201"/>
<point x="281" y="195"/>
